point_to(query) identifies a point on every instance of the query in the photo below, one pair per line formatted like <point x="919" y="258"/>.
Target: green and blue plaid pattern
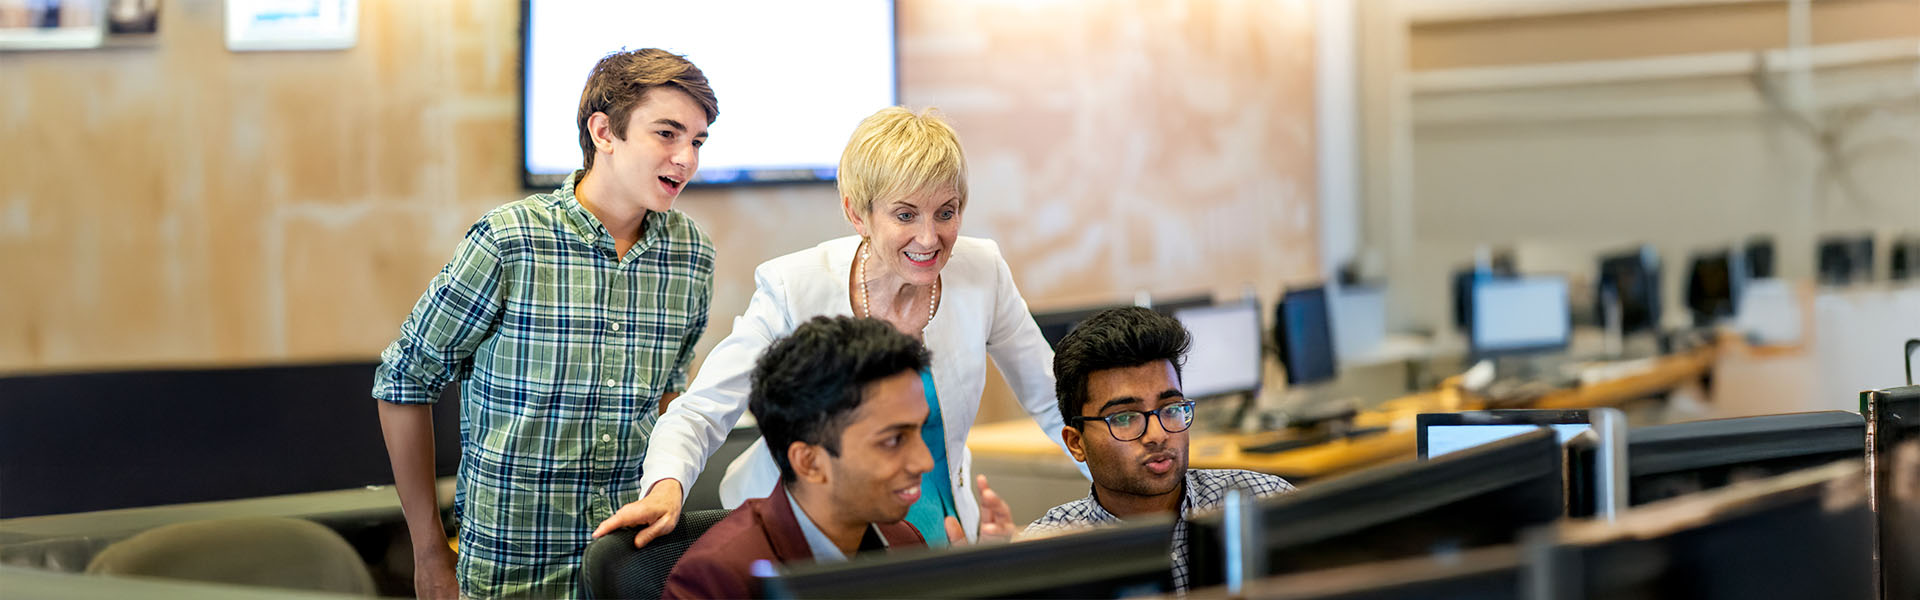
<point x="562" y="351"/>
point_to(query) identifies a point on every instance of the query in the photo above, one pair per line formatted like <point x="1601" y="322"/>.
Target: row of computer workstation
<point x="1526" y="483"/>
<point x="1563" y="504"/>
<point x="1520" y="331"/>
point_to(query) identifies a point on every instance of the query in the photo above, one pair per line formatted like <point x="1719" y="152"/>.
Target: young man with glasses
<point x="1117" y="379"/>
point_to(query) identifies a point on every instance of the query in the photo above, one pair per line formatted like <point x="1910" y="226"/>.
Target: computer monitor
<point x="1521" y="315"/>
<point x="1846" y="259"/>
<point x="1664" y="461"/>
<point x="1463" y="280"/>
<point x="1893" y="444"/>
<point x="1172" y="304"/>
<point x="1223" y="356"/>
<point x="1494" y="573"/>
<point x="1594" y="439"/>
<point x="1803" y="535"/>
<point x="1759" y="257"/>
<point x="1133" y="559"/>
<point x="1303" y="330"/>
<point x="1484" y="496"/>
<point x="1632" y="279"/>
<point x="1904" y="262"/>
<point x="1055" y="324"/>
<point x="1713" y="286"/>
<point x="1440" y="434"/>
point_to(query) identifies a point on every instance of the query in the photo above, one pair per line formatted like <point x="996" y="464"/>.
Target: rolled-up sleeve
<point x="460" y="308"/>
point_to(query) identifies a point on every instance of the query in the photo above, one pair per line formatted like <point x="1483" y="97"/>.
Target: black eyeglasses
<point x="1129" y="426"/>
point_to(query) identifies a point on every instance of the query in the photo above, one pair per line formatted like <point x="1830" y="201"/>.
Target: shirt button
<point x="606" y="437"/>
<point x="615" y="327"/>
<point x="611" y="383"/>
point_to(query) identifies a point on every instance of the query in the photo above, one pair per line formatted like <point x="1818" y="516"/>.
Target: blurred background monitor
<point x="1522" y="315"/>
<point x="1224" y="355"/>
<point x="1713" y="286"/>
<point x="1303" y="330"/>
<point x="1894" y="440"/>
<point x="1484" y="496"/>
<point x="1846" y="259"/>
<point x="1108" y="562"/>
<point x="1903" y="263"/>
<point x="1632" y="279"/>
<point x="1664" y="461"/>
<point x="1758" y="252"/>
<point x="1173" y="304"/>
<point x="1463" y="281"/>
<point x="1055" y="324"/>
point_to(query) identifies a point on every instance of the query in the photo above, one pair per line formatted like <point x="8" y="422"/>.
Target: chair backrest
<point x="615" y="569"/>
<point x="262" y="551"/>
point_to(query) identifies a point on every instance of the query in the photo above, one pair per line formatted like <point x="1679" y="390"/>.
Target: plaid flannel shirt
<point x="562" y="351"/>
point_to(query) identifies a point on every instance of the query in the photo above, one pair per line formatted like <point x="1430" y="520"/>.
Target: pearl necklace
<point x="866" y="309"/>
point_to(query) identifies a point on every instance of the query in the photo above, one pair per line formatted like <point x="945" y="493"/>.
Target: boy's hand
<point x="659" y="511"/>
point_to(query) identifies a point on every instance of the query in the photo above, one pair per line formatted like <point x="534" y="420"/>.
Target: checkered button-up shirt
<point x="1206" y="490"/>
<point x="563" y="351"/>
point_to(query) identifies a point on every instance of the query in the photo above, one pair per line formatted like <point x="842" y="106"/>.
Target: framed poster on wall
<point x="51" y="24"/>
<point x="292" y="24"/>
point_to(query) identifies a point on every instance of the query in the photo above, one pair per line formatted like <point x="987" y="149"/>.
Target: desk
<point x="1021" y="440"/>
<point x="66" y="542"/>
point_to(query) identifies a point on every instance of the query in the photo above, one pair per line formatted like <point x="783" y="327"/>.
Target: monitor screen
<point x="1055" y="324"/>
<point x="781" y="117"/>
<point x="1676" y="459"/>
<point x="1304" y="332"/>
<point x="1475" y="498"/>
<point x="1447" y="439"/>
<point x="1526" y="314"/>
<point x="1444" y="433"/>
<point x="1224" y="355"/>
<point x="1126" y="560"/>
<point x="1712" y="287"/>
<point x="1633" y="280"/>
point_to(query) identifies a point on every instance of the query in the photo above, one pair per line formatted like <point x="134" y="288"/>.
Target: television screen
<point x="793" y="78"/>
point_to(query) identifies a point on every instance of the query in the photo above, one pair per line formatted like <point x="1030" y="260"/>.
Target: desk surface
<point x="1020" y="438"/>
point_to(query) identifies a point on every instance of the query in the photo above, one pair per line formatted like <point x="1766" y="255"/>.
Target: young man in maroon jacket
<point x="841" y="404"/>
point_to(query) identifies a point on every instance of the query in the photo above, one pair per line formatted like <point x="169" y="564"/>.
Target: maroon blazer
<point x="720" y="564"/>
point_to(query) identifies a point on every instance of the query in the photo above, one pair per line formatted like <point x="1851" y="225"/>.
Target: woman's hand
<point x="659" y="512"/>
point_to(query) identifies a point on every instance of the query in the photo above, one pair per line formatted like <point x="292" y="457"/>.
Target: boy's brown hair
<point x="619" y="81"/>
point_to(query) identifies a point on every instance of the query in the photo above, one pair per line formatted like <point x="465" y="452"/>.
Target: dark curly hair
<point x="807" y="385"/>
<point x="1115" y="338"/>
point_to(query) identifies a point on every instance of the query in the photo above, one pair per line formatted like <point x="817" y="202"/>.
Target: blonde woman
<point x="903" y="187"/>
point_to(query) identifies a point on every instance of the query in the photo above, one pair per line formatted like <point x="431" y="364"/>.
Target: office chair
<point x="615" y="569"/>
<point x="259" y="551"/>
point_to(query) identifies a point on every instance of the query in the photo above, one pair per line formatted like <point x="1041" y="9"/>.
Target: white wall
<point x="1566" y="161"/>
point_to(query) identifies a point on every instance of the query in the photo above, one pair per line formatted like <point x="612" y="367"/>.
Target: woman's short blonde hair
<point x="896" y="152"/>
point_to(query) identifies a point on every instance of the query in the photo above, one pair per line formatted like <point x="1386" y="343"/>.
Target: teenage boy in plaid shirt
<point x="569" y="319"/>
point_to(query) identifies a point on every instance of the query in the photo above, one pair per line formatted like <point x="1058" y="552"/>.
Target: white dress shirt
<point x="981" y="313"/>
